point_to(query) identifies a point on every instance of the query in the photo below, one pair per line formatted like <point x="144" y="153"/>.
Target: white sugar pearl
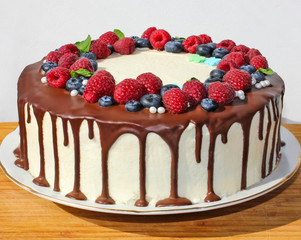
<point x="263" y="84"/>
<point x="152" y="110"/>
<point x="236" y="93"/>
<point x="242" y="97"/>
<point x="161" y="110"/>
<point x="267" y="82"/>
<point x="44" y="60"/>
<point x="240" y="92"/>
<point x="42" y="72"/>
<point x="44" y="80"/>
<point x="253" y="81"/>
<point x="85" y="82"/>
<point x="73" y="92"/>
<point x="258" y="85"/>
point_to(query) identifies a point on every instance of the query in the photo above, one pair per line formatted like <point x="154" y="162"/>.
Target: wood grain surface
<point x="276" y="215"/>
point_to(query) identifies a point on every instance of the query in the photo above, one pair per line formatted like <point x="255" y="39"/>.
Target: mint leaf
<point x="119" y="33"/>
<point x="180" y="38"/>
<point x="84" y="46"/>
<point x="265" y="71"/>
<point x="82" y="72"/>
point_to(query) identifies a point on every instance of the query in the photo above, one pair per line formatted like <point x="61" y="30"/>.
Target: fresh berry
<point x="68" y="48"/>
<point x="258" y="76"/>
<point x="99" y="85"/>
<point x="143" y="43"/>
<point x="240" y="48"/>
<point x="175" y="100"/>
<point x="135" y="38"/>
<point x="173" y="47"/>
<point x="159" y="38"/>
<point x="221" y="92"/>
<point x="226" y="65"/>
<point x="109" y="38"/>
<point x="88" y="55"/>
<point x="209" y="104"/>
<point x="111" y="48"/>
<point x="210" y="80"/>
<point x="151" y="100"/>
<point x="217" y="73"/>
<point x="227" y="44"/>
<point x="82" y="78"/>
<point x="94" y="64"/>
<point x="191" y="43"/>
<point x="239" y="79"/>
<point x="205" y="38"/>
<point x="248" y="68"/>
<point x="53" y="56"/>
<point x="128" y="89"/>
<point x="100" y="49"/>
<point x="82" y="63"/>
<point x="133" y="106"/>
<point x="167" y="87"/>
<point x="47" y="66"/>
<point x="58" y="77"/>
<point x="106" y="101"/>
<point x="81" y="89"/>
<point x="212" y="45"/>
<point x="237" y="58"/>
<point x="195" y="91"/>
<point x="251" y="53"/>
<point x="204" y="50"/>
<point x="148" y="32"/>
<point x="124" y="46"/>
<point x="67" y="60"/>
<point x="151" y="82"/>
<point x="73" y="84"/>
<point x="259" y="61"/>
<point x="220" y="52"/>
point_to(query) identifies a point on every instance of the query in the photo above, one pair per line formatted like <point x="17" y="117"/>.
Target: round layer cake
<point x="113" y="156"/>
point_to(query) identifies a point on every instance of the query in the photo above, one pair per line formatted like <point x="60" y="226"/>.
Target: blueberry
<point x="111" y="48"/>
<point x="47" y="66"/>
<point x="210" y="80"/>
<point x="204" y="50"/>
<point x="173" y="46"/>
<point x="209" y="104"/>
<point x="258" y="76"/>
<point x="82" y="78"/>
<point x="143" y="43"/>
<point x="106" y="101"/>
<point x="167" y="87"/>
<point x="151" y="100"/>
<point x="88" y="55"/>
<point x="81" y="89"/>
<point x="73" y="84"/>
<point x="178" y="39"/>
<point x="135" y="40"/>
<point x="212" y="45"/>
<point x="217" y="73"/>
<point x="94" y="64"/>
<point x="219" y="52"/>
<point x="248" y="68"/>
<point x="133" y="106"/>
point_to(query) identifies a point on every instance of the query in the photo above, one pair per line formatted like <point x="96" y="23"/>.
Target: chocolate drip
<point x="224" y="138"/>
<point x="275" y="114"/>
<point x="17" y="152"/>
<point x="282" y="144"/>
<point x="261" y="118"/>
<point x="55" y="155"/>
<point x="278" y="145"/>
<point x="41" y="179"/>
<point x="65" y="131"/>
<point x="28" y="114"/>
<point x="266" y="141"/>
<point x="91" y="129"/>
<point x="198" y="142"/>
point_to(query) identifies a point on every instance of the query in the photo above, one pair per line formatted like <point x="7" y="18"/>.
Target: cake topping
<point x="124" y="46"/>
<point x="237" y="58"/>
<point x="239" y="79"/>
<point x="47" y="66"/>
<point x="221" y="92"/>
<point x="220" y="52"/>
<point x="67" y="60"/>
<point x="128" y="89"/>
<point x="68" y="48"/>
<point x="175" y="100"/>
<point x="259" y="61"/>
<point x="133" y="106"/>
<point x="151" y="100"/>
<point x="58" y="77"/>
<point x="151" y="82"/>
<point x="53" y="56"/>
<point x="227" y="44"/>
<point x="173" y="47"/>
<point x="240" y="48"/>
<point x="191" y="43"/>
<point x="73" y="84"/>
<point x="148" y="32"/>
<point x="100" y="49"/>
<point x="209" y="104"/>
<point x="159" y="38"/>
<point x="195" y="91"/>
<point x="109" y="38"/>
<point x="251" y="53"/>
<point x="82" y="63"/>
<point x="106" y="101"/>
<point x="205" y="38"/>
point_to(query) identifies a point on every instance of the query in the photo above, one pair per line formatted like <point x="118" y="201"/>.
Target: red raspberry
<point x="205" y="38"/>
<point x="100" y="49"/>
<point x="125" y="46"/>
<point x="222" y="92"/>
<point x="175" y="100"/>
<point x="259" y="62"/>
<point x="128" y="89"/>
<point x="228" y="44"/>
<point x="151" y="82"/>
<point x="240" y="48"/>
<point x="240" y="80"/>
<point x="67" y="60"/>
<point x="68" y="48"/>
<point x="237" y="58"/>
<point x="99" y="85"/>
<point x="109" y="38"/>
<point x="226" y="65"/>
<point x="53" y="56"/>
<point x="148" y="32"/>
<point x="191" y="43"/>
<point x="57" y="77"/>
<point x="82" y="63"/>
<point x="195" y="91"/>
<point x="159" y="38"/>
<point x="251" y="53"/>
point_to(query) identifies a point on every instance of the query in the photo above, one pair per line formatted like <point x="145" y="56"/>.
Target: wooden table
<point x="276" y="215"/>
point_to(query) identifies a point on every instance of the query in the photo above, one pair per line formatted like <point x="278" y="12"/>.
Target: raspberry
<point x="151" y="82"/>
<point x="191" y="43"/>
<point x="159" y="38"/>
<point x="195" y="91"/>
<point x="128" y="89"/>
<point x="240" y="48"/>
<point x="100" y="49"/>
<point x="205" y="38"/>
<point x="226" y="65"/>
<point x="237" y="58"/>
<point x="99" y="85"/>
<point x="68" y="48"/>
<point x="148" y="32"/>
<point x="109" y="38"/>
<point x="251" y="53"/>
<point x="67" y="60"/>
<point x="175" y="100"/>
<point x="53" y="56"/>
<point x="228" y="44"/>
<point x="82" y="63"/>
<point x="58" y="77"/>
<point x="222" y="92"/>
<point x="125" y="46"/>
<point x="259" y="62"/>
<point x="239" y="79"/>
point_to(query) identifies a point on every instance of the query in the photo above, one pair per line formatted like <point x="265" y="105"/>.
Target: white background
<point x="30" y="29"/>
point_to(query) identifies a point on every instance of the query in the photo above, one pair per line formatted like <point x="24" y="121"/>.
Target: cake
<point x="218" y="135"/>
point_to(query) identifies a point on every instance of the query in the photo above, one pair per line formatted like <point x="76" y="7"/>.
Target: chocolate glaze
<point x="115" y="121"/>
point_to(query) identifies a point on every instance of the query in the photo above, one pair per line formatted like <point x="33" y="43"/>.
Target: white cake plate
<point x="288" y="165"/>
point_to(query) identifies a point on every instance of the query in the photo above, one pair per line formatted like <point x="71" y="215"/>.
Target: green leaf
<point x="119" y="33"/>
<point x="84" y="46"/>
<point x="180" y="38"/>
<point x="82" y="72"/>
<point x="265" y="71"/>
